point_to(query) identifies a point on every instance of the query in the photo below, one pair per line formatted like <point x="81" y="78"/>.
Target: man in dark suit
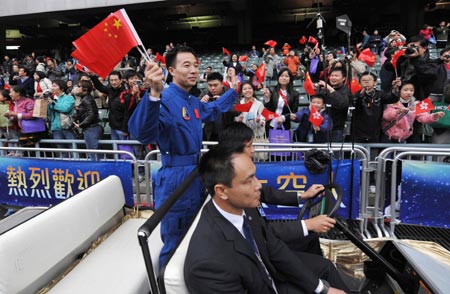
<point x="299" y="235"/>
<point x="231" y="250"/>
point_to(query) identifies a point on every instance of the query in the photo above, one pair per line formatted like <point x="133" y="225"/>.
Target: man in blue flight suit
<point x="174" y="119"/>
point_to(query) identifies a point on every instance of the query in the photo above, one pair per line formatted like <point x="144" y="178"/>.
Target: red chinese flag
<point x="225" y="51"/>
<point x="81" y="67"/>
<point x="308" y="85"/>
<point x="355" y="86"/>
<point x="396" y="56"/>
<point x="424" y="106"/>
<point x="160" y="58"/>
<point x="245" y="107"/>
<point x="315" y="117"/>
<point x="302" y="40"/>
<point x="312" y="40"/>
<point x="367" y="56"/>
<point x="243" y="58"/>
<point x="268" y="115"/>
<point x="271" y="43"/>
<point x="261" y="73"/>
<point x="102" y="47"/>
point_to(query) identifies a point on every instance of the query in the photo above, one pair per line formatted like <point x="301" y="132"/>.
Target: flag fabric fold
<point x="396" y="56"/>
<point x="355" y="86"/>
<point x="367" y="56"/>
<point x="104" y="46"/>
<point x="225" y="51"/>
<point x="261" y="73"/>
<point x="308" y="85"/>
<point x="315" y="117"/>
<point x="302" y="40"/>
<point x="424" y="106"/>
<point x="312" y="40"/>
<point x="271" y="43"/>
<point x="268" y="115"/>
<point x="244" y="107"/>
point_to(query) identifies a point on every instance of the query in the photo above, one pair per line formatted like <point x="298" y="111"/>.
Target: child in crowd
<point x="306" y="131"/>
<point x="400" y="119"/>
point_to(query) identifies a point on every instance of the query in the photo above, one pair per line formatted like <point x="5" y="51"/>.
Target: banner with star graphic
<point x="104" y="46"/>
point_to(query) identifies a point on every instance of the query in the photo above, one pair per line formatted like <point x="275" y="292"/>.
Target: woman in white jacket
<point x="41" y="84"/>
<point x="253" y="118"/>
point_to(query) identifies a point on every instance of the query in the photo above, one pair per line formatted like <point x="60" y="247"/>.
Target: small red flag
<point x="355" y="86"/>
<point x="400" y="44"/>
<point x="160" y="58"/>
<point x="261" y="73"/>
<point x="80" y="67"/>
<point x="243" y="58"/>
<point x="315" y="117"/>
<point x="424" y="106"/>
<point x="7" y="87"/>
<point x="367" y="56"/>
<point x="271" y="43"/>
<point x="312" y="40"/>
<point x="302" y="40"/>
<point x="308" y="85"/>
<point x="268" y="115"/>
<point x="396" y="56"/>
<point x="244" y="107"/>
<point x="225" y="51"/>
<point x="102" y="47"/>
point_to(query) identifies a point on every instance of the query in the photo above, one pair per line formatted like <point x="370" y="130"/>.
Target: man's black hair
<point x="115" y="73"/>
<point x="236" y="132"/>
<point x="171" y="55"/>
<point x="368" y="73"/>
<point x="214" y="76"/>
<point x="215" y="166"/>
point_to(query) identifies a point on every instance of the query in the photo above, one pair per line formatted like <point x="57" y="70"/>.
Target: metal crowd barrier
<point x="348" y="151"/>
<point x="396" y="155"/>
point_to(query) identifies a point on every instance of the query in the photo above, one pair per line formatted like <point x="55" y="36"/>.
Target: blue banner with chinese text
<point x="40" y="182"/>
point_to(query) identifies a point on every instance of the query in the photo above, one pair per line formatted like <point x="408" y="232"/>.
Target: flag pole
<point x="136" y="36"/>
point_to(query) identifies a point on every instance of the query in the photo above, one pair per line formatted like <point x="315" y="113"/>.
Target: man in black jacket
<point x="231" y="250"/>
<point x="116" y="107"/>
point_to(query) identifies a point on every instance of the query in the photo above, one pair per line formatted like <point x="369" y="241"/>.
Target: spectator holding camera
<point x="116" y="107"/>
<point x="416" y="67"/>
<point x="441" y="33"/>
<point x="313" y="63"/>
<point x="41" y="84"/>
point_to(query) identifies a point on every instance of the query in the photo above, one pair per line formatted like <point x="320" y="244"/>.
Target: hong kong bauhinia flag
<point x="104" y="46"/>
<point x="315" y="117"/>
<point x="424" y="106"/>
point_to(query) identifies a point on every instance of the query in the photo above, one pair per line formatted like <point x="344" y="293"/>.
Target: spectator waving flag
<point x="104" y="46"/>
<point x="424" y="106"/>
<point x="308" y="85"/>
<point x="261" y="73"/>
<point x="315" y="117"/>
<point x="268" y="115"/>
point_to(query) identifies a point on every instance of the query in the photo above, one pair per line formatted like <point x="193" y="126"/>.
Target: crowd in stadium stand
<point x="388" y="95"/>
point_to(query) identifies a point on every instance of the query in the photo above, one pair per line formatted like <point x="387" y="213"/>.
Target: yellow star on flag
<point x="117" y="23"/>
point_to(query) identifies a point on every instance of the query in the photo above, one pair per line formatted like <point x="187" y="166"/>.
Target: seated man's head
<point x="241" y="134"/>
<point x="229" y="176"/>
<point x="215" y="83"/>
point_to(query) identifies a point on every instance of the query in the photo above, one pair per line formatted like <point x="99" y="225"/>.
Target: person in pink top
<point x="23" y="106"/>
<point x="400" y="119"/>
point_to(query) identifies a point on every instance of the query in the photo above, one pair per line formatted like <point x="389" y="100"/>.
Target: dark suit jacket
<point x="219" y="259"/>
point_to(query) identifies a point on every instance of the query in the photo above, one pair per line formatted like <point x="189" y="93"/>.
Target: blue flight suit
<point x="175" y="122"/>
